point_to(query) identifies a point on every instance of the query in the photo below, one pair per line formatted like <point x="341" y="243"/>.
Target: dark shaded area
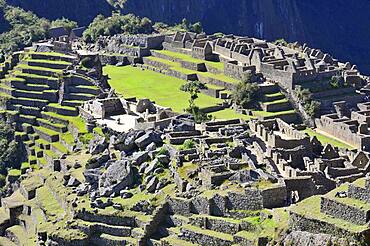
<point x="4" y="25"/>
<point x="82" y="11"/>
<point x="339" y="27"/>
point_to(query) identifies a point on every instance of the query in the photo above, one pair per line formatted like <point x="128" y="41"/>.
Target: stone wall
<point x="344" y="212"/>
<point x="274" y="197"/>
<point x="298" y="222"/>
<point x="252" y="199"/>
<point x="359" y="193"/>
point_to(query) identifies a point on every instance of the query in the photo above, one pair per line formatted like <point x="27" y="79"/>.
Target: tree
<point x="312" y="108"/>
<point x="25" y="28"/>
<point x="11" y="152"/>
<point x="66" y="23"/>
<point x="197" y="27"/>
<point x="193" y="88"/>
<point x="304" y="95"/>
<point x="245" y="93"/>
<point x="116" y="24"/>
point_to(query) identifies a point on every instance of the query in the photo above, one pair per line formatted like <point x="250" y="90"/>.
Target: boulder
<point x="118" y="176"/>
<point x="97" y="145"/>
<point x="148" y="138"/>
<point x="151" y="147"/>
<point x="151" y="167"/>
<point x="73" y="182"/>
<point x="164" y="159"/>
<point x="126" y="141"/>
<point x="139" y="157"/>
<point x="152" y="185"/>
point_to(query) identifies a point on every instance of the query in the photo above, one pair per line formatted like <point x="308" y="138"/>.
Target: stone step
<point x="78" y="97"/>
<point x="61" y="128"/>
<point x="84" y="89"/>
<point x="106" y="239"/>
<point x="203" y="236"/>
<point x="47" y="134"/>
<point x="107" y="219"/>
<point x="49" y="95"/>
<point x="38" y="71"/>
<point x="346" y="208"/>
<point x="51" y="56"/>
<point x="40" y="103"/>
<point x="42" y="144"/>
<point x="39" y="79"/>
<point x="51" y="116"/>
<point x="101" y="228"/>
<point x="175" y="241"/>
<point x="47" y="63"/>
<point x="62" y="110"/>
<point x="72" y="103"/>
<point x="26" y="110"/>
<point x="269" y="88"/>
<point x="29" y="119"/>
<point x="276" y="106"/>
<point x="273" y="97"/>
<point x="29" y="86"/>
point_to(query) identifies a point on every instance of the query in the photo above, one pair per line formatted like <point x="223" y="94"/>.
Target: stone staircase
<point x="46" y="123"/>
<point x="274" y="104"/>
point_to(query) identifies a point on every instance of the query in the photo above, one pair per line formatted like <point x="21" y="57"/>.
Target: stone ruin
<point x="304" y="163"/>
<point x="137" y="114"/>
<point x="351" y="127"/>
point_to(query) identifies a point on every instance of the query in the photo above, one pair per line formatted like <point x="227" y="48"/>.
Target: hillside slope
<point x="340" y="28"/>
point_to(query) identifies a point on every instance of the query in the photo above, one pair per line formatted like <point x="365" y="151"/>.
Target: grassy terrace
<point x="164" y="90"/>
<point x="24" y="66"/>
<point x="271" y="114"/>
<point x="347" y="200"/>
<point x="177" y="67"/>
<point x="48" y="61"/>
<point x="324" y="139"/>
<point x="310" y="208"/>
<point x="230" y="114"/>
<point x="188" y="58"/>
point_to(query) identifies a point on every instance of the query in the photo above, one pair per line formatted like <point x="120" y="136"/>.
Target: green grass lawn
<point x="327" y="139"/>
<point x="230" y="114"/>
<point x="164" y="90"/>
<point x="184" y="57"/>
<point x="177" y="67"/>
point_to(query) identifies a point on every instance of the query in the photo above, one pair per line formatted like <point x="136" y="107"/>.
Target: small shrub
<point x="188" y="144"/>
<point x="163" y="151"/>
<point x="245" y="93"/>
<point x="312" y="108"/>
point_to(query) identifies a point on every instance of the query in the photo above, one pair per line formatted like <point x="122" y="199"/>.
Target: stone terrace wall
<point x="298" y="222"/>
<point x="344" y="212"/>
<point x="359" y="193"/>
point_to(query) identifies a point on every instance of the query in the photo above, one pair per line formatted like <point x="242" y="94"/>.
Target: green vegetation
<point x="324" y="139"/>
<point x="184" y="26"/>
<point x="25" y="28"/>
<point x="177" y="67"/>
<point x="63" y="22"/>
<point x="193" y="88"/>
<point x="116" y="24"/>
<point x="188" y="144"/>
<point x="164" y="90"/>
<point x="10" y="150"/>
<point x="245" y="93"/>
<point x="219" y="65"/>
